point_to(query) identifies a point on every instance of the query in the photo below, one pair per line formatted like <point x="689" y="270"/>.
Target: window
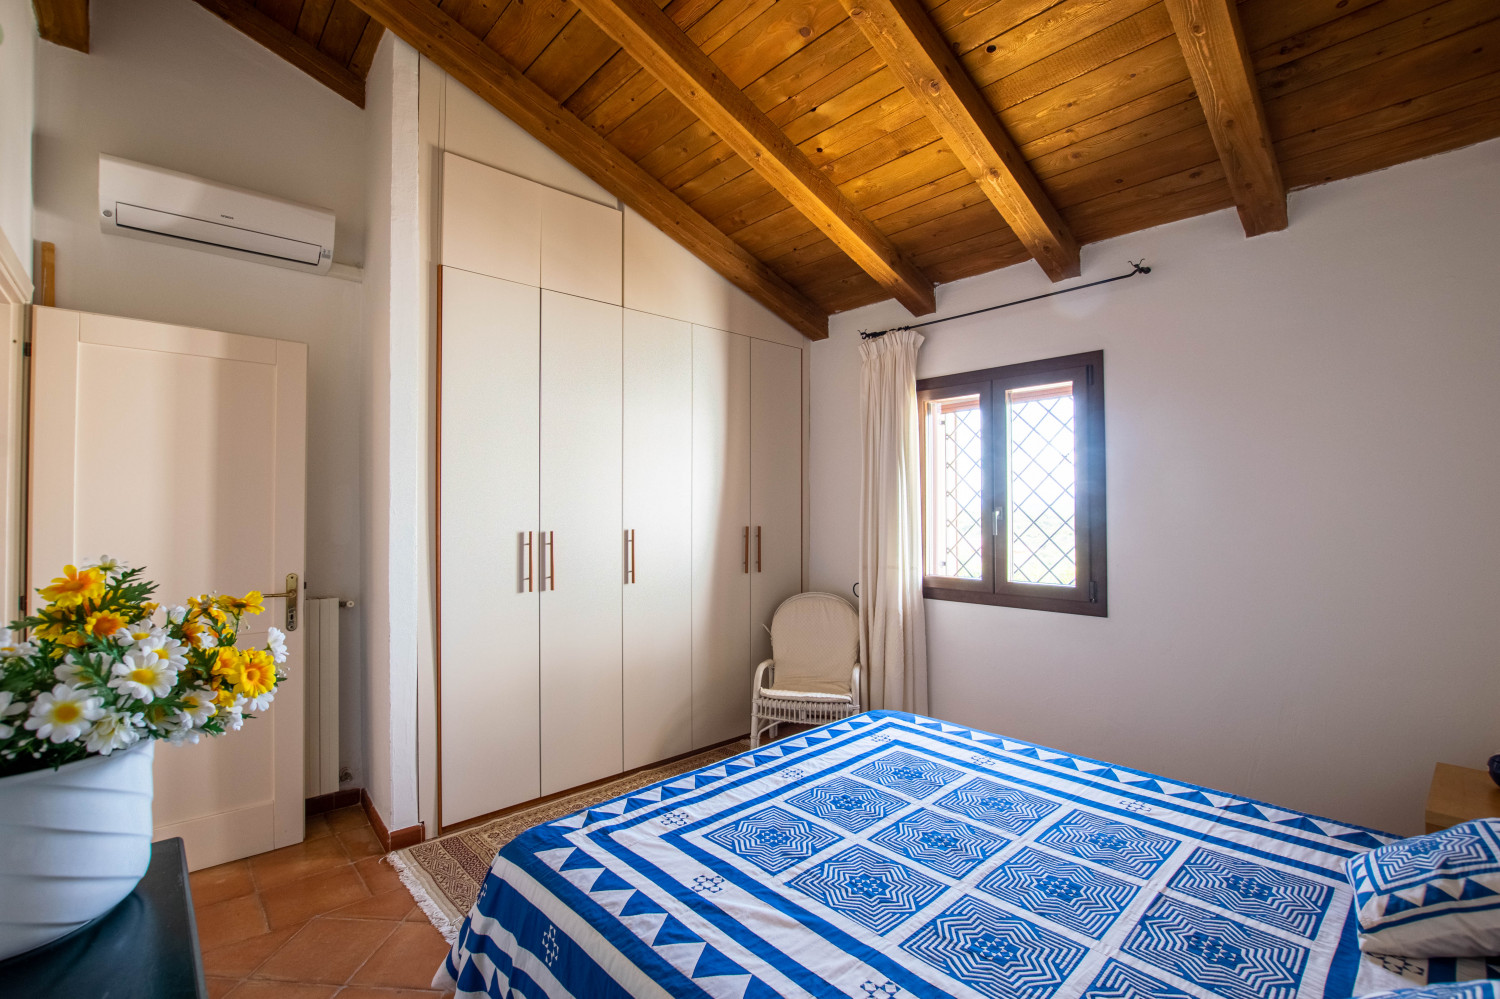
<point x="1013" y="485"/>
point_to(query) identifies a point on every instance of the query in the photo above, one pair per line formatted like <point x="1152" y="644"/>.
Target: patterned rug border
<point x="444" y="874"/>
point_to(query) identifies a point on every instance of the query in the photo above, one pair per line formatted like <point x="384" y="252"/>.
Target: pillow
<point x="1431" y="896"/>
<point x="1453" y="990"/>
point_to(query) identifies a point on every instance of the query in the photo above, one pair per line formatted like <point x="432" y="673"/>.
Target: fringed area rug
<point x="444" y="874"/>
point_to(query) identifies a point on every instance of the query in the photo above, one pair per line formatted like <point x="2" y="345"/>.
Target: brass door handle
<point x="290" y="596"/>
<point x="745" y="566"/>
<point x="757" y="548"/>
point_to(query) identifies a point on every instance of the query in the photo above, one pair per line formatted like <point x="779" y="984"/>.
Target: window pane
<point x="1041" y="486"/>
<point x="956" y="517"/>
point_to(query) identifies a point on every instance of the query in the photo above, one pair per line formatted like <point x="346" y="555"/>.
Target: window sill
<point x="1099" y="608"/>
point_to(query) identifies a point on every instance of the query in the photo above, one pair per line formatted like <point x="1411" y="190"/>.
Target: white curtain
<point x="893" y="630"/>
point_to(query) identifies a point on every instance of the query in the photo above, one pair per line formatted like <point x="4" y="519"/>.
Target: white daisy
<point x="197" y="707"/>
<point x="233" y="719"/>
<point x="142" y="631"/>
<point x="64" y="713"/>
<point x="168" y="651"/>
<point x="70" y="670"/>
<point x="144" y="676"/>
<point x="185" y="736"/>
<point x="276" y="642"/>
<point x="7" y="710"/>
<point x="259" y="703"/>
<point x="111" y="567"/>
<point x="116" y="730"/>
<point x="11" y="646"/>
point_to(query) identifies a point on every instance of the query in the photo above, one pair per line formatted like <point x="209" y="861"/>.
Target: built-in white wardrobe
<point x="619" y="503"/>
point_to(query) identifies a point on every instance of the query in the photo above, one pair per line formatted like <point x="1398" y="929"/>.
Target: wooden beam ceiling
<point x="469" y="61"/>
<point x="1213" y="43"/>
<point x="661" y="47"/>
<point x="902" y="32"/>
<point x="63" y="22"/>
<point x="295" y="48"/>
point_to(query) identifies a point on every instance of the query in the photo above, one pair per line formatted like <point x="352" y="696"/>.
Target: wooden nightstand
<point x="1459" y="794"/>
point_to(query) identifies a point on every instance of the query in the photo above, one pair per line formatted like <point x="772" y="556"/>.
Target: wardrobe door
<point x="488" y="683"/>
<point x="775" y="485"/>
<point x="657" y="539"/>
<point x="580" y="547"/>
<point x="721" y="535"/>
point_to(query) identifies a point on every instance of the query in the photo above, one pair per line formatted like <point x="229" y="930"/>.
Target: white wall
<point x="1301" y="471"/>
<point x="393" y="451"/>
<point x="660" y="277"/>
<point x="169" y="83"/>
<point x="18" y="43"/>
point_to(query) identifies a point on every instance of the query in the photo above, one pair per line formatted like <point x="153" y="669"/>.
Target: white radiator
<point x="320" y="649"/>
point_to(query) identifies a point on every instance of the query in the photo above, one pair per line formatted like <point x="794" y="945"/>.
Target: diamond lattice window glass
<point x="957" y="443"/>
<point x="1042" y="485"/>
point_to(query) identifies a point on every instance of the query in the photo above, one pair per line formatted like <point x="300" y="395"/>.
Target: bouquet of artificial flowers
<point x="104" y="668"/>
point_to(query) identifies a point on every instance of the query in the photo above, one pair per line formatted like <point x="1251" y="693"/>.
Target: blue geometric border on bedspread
<point x="897" y="855"/>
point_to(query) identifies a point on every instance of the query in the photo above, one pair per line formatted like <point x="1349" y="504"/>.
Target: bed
<point x="897" y="855"/>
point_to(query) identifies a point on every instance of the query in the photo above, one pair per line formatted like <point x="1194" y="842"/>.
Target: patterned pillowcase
<point x="1459" y="990"/>
<point x="1431" y="896"/>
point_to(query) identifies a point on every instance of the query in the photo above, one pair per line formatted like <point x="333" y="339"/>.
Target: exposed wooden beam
<point x="468" y="60"/>
<point x="656" y="42"/>
<point x="63" y="22"/>
<point x="902" y="33"/>
<point x="1213" y="43"/>
<point x="298" y="51"/>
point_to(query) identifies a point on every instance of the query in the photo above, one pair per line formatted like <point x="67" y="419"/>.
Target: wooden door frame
<point x="16" y="291"/>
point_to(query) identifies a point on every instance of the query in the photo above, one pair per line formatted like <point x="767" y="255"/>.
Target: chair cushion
<point x="1431" y="896"/>
<point x="777" y="693"/>
<point x="815" y="642"/>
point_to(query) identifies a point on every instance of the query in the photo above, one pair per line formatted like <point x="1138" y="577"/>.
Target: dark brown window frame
<point x="1090" y="594"/>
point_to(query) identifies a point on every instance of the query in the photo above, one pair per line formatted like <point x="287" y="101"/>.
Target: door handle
<point x="551" y="559"/>
<point x="746" y="564"/>
<point x="527" y="545"/>
<point x="630" y="555"/>
<point x="290" y="596"/>
<point x="757" y="548"/>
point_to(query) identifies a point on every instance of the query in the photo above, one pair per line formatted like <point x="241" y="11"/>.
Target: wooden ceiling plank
<point x="1218" y="60"/>
<point x="63" y="22"/>
<point x="902" y="33"/>
<point x="476" y="16"/>
<point x="578" y="51"/>
<point x="364" y="53"/>
<point x="1077" y="25"/>
<point x="1113" y="42"/>
<point x="311" y="20"/>
<point x="1136" y="165"/>
<point x="346" y="24"/>
<point x="1117" y="117"/>
<point x="283" y="12"/>
<point x="1185" y="114"/>
<point x="978" y="256"/>
<point x="526" y="28"/>
<point x="1279" y="33"/>
<point x="655" y="41"/>
<point x="892" y="215"/>
<point x="478" y="67"/>
<point x="317" y="64"/>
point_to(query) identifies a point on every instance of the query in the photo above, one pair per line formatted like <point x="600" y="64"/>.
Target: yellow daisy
<point x="74" y="587"/>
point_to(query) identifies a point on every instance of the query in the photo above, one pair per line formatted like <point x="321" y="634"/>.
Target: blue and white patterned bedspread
<point x="895" y="855"/>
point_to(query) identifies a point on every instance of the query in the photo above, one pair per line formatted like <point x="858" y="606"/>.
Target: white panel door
<point x="658" y="482"/>
<point x="492" y="221"/>
<point x="208" y="431"/>
<point x="583" y="554"/>
<point x="721" y="535"/>
<point x="775" y="485"/>
<point x="582" y="247"/>
<point x="488" y="642"/>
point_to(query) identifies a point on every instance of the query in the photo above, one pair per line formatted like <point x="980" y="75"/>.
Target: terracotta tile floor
<point x="324" y="918"/>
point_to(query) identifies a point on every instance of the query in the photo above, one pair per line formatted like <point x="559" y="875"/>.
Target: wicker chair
<point x="813" y="676"/>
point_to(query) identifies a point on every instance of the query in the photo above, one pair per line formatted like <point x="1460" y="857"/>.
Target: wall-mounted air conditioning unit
<point x="169" y="207"/>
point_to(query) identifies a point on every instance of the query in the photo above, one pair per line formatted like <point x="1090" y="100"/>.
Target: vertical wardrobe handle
<point x="746" y="564"/>
<point x="527" y="542"/>
<point x="551" y="561"/>
<point x="630" y="556"/>
<point x="757" y="548"/>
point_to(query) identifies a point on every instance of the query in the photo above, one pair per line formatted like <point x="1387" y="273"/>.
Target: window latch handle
<point x="995" y="530"/>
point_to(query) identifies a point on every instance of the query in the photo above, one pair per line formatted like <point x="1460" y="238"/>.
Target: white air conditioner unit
<point x="164" y="206"/>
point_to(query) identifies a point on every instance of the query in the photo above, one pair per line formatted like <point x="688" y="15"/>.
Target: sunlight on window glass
<point x="1042" y="485"/>
<point x="956" y="517"/>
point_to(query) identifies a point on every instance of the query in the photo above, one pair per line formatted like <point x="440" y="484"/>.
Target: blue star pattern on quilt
<point x="1007" y="808"/>
<point x="1459" y="850"/>
<point x="1226" y="957"/>
<point x="943" y="844"/>
<point x="911" y="775"/>
<point x="773" y="839"/>
<point x="1119" y="846"/>
<point x="998" y="955"/>
<point x="1120" y="981"/>
<point x="1071" y="895"/>
<point x="1271" y="896"/>
<point x="864" y="886"/>
<point x="847" y="803"/>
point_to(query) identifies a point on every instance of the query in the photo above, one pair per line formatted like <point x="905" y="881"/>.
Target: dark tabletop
<point x="144" y="948"/>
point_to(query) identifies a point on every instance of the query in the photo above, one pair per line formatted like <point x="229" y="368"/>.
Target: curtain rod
<point x="1137" y="267"/>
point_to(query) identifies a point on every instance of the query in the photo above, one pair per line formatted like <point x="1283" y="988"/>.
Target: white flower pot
<point x="73" y="842"/>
